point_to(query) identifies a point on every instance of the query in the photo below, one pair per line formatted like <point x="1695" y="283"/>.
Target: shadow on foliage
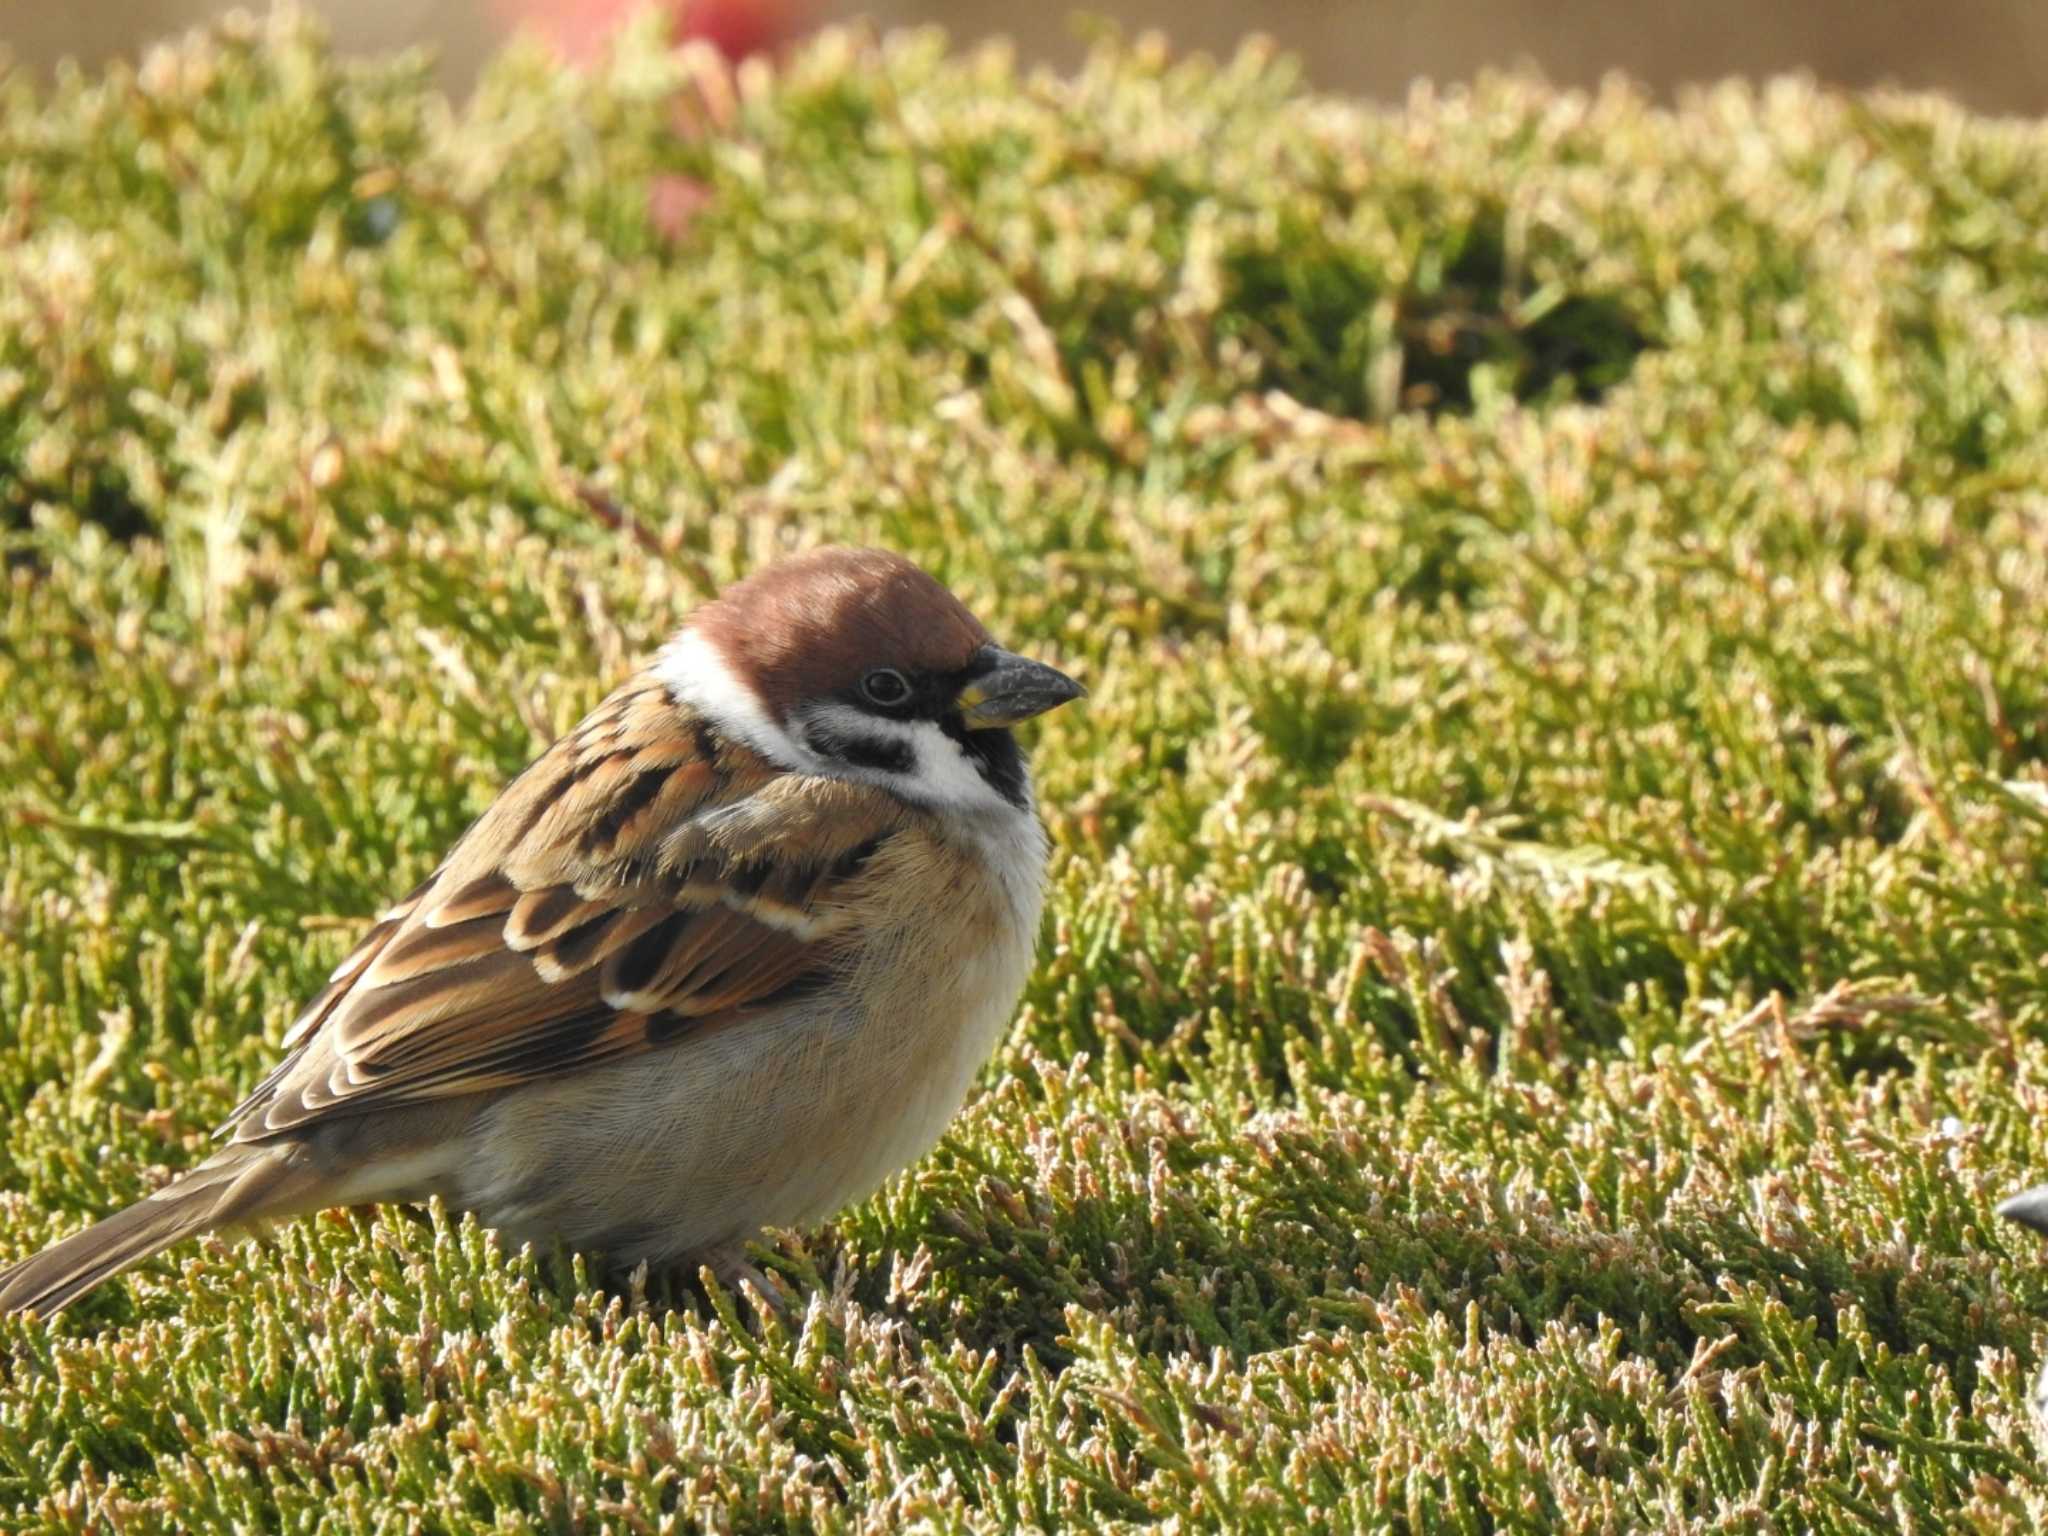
<point x="1329" y="331"/>
<point x="101" y="496"/>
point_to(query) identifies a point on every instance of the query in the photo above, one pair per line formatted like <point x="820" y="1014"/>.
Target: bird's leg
<point x="731" y="1268"/>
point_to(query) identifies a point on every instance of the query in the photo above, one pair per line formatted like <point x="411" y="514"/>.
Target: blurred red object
<point x="579" y="29"/>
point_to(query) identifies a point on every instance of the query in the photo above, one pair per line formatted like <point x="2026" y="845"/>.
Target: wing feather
<point x="641" y="882"/>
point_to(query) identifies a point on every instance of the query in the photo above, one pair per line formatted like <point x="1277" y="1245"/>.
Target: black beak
<point x="2029" y="1208"/>
<point x="1006" y="688"/>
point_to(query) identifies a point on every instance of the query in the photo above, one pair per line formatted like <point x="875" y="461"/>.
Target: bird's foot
<point x="729" y="1265"/>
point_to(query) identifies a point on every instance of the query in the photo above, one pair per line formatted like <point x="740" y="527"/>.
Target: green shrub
<point x="1545" y="981"/>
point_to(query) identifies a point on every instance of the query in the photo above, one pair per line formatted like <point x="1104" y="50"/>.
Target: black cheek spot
<point x="861" y="751"/>
<point x="890" y="756"/>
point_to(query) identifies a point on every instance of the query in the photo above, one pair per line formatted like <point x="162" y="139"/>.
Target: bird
<point x="2030" y="1209"/>
<point x="723" y="958"/>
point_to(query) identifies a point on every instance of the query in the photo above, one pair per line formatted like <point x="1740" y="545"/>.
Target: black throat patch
<point x="996" y="757"/>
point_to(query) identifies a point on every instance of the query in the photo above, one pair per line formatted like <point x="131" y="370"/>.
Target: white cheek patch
<point x="695" y="674"/>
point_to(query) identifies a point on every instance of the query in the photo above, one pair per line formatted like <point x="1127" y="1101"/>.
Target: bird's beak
<point x="1006" y="688"/>
<point x="2029" y="1208"/>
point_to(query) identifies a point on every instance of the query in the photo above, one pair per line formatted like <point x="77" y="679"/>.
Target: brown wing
<point x="642" y="880"/>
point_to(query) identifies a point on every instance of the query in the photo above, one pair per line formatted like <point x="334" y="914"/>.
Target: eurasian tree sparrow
<point x="2030" y="1209"/>
<point x="725" y="956"/>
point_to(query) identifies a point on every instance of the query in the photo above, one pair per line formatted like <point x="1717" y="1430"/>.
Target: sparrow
<point x="725" y="957"/>
<point x="2030" y="1209"/>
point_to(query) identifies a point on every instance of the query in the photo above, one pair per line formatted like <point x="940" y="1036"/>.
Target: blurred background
<point x="1990" y="54"/>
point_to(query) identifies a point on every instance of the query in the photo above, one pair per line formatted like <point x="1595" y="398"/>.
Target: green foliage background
<point x="1544" y="982"/>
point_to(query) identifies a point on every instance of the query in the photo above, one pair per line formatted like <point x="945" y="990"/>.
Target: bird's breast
<point x="788" y="1113"/>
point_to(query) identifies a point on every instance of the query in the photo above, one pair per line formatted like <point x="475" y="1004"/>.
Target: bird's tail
<point x="239" y="1184"/>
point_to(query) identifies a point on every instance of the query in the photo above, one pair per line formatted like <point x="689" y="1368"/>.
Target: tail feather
<point x="240" y="1184"/>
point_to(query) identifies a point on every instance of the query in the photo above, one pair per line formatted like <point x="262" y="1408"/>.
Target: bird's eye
<point x="884" y="686"/>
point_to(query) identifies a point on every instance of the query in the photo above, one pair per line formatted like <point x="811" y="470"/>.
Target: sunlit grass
<point x="1545" y="974"/>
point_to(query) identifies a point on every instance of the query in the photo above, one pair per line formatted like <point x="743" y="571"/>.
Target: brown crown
<point x="811" y="625"/>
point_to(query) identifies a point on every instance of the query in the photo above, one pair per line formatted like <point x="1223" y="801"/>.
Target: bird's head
<point x="856" y="664"/>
